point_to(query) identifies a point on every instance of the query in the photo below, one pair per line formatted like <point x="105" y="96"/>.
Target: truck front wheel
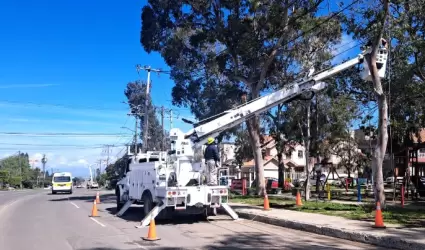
<point x="119" y="204"/>
<point x="147" y="203"/>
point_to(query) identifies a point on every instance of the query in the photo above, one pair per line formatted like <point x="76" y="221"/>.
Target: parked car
<point x="272" y="186"/>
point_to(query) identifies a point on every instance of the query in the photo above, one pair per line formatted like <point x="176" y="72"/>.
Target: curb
<point x="382" y="241"/>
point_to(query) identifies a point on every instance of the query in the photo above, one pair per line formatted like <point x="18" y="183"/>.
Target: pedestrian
<point x="212" y="159"/>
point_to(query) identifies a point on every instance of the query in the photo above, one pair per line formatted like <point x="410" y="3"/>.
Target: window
<point x="62" y="179"/>
<point x="300" y="154"/>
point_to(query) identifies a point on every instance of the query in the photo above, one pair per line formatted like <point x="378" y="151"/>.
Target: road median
<point x="394" y="236"/>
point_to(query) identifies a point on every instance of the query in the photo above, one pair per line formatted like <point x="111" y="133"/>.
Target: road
<point x="39" y="220"/>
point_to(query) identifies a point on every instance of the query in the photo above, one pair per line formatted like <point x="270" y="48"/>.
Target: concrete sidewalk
<point x="393" y="236"/>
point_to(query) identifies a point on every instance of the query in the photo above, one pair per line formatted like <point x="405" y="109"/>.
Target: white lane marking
<point x="5" y="206"/>
<point x="93" y="219"/>
<point x="2" y="208"/>
<point x="75" y="205"/>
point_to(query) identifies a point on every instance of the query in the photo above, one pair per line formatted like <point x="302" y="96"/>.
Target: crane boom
<point x="313" y="84"/>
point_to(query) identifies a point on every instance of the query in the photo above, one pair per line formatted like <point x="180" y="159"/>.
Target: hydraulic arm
<point x="314" y="83"/>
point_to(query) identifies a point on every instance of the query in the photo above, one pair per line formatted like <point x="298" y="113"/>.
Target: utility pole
<point x="20" y="168"/>
<point x="162" y="130"/>
<point x="107" y="154"/>
<point x="44" y="161"/>
<point x="171" y="119"/>
<point x="100" y="170"/>
<point x="146" y="121"/>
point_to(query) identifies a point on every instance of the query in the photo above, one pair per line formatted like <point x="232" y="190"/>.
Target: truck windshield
<point x="62" y="179"/>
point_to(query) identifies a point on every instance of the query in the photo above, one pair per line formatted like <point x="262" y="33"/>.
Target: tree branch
<point x="274" y="50"/>
<point x="240" y="78"/>
<point x="371" y="58"/>
<point x="271" y="116"/>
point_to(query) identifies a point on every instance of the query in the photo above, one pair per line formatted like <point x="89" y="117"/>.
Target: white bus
<point x="62" y="182"/>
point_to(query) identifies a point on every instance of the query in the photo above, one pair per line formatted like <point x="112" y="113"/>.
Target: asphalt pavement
<point x="39" y="220"/>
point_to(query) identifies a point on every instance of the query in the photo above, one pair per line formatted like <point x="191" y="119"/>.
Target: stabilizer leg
<point x="151" y="215"/>
<point x="230" y="211"/>
<point x="124" y="208"/>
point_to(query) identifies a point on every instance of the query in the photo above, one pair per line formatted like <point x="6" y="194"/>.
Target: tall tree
<point x="136" y="95"/>
<point x="114" y="172"/>
<point x="406" y="31"/>
<point x="368" y="22"/>
<point x="217" y="50"/>
<point x="16" y="170"/>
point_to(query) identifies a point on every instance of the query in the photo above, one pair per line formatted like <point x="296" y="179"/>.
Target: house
<point x="342" y="153"/>
<point x="294" y="163"/>
<point x="227" y="158"/>
<point x="415" y="153"/>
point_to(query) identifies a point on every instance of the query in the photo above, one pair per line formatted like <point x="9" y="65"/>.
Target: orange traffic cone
<point x="266" y="202"/>
<point x="94" y="210"/>
<point x="151" y="232"/>
<point x="97" y="198"/>
<point x="298" y="201"/>
<point x="379" y="221"/>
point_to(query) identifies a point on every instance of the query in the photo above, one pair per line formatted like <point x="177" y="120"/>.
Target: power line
<point x="45" y="105"/>
<point x="58" y="148"/>
<point x="64" y="134"/>
<point x="59" y="145"/>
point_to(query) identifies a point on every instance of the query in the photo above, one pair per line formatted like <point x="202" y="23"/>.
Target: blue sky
<point x="64" y="66"/>
<point x="79" y="55"/>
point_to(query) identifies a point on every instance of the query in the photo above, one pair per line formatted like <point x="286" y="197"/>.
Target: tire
<point x="147" y="203"/>
<point x="118" y="198"/>
<point x="53" y="192"/>
<point x="212" y="212"/>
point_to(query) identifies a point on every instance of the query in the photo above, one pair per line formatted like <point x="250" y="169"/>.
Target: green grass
<point x="365" y="212"/>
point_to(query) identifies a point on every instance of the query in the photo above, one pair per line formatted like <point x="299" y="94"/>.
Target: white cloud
<point x="74" y="159"/>
<point x="65" y="158"/>
<point x="13" y="86"/>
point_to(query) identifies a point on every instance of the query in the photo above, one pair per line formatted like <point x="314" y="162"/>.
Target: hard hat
<point x="210" y="140"/>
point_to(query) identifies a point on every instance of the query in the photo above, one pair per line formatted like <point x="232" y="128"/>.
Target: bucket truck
<point x="91" y="183"/>
<point x="168" y="182"/>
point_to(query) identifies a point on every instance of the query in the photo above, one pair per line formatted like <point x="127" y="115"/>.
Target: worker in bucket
<point x="212" y="159"/>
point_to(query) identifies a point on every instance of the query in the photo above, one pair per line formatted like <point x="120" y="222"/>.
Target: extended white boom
<point x="236" y="116"/>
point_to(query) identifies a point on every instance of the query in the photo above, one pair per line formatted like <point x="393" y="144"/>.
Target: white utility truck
<point x="173" y="181"/>
<point x="90" y="182"/>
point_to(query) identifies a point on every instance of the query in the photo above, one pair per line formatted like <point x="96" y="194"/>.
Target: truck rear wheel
<point x="119" y="204"/>
<point x="147" y="203"/>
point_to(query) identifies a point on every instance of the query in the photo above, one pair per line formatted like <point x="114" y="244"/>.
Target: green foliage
<point x="15" y="180"/>
<point x="136" y="95"/>
<point x="16" y="171"/>
<point x="114" y="172"/>
<point x="215" y="58"/>
<point x="405" y="31"/>
<point x="243" y="151"/>
<point x="103" y="179"/>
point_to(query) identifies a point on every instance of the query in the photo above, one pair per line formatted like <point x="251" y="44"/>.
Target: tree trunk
<point x="254" y="136"/>
<point x="281" y="169"/>
<point x="382" y="138"/>
<point x="307" y="153"/>
<point x="380" y="149"/>
<point x="318" y="182"/>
